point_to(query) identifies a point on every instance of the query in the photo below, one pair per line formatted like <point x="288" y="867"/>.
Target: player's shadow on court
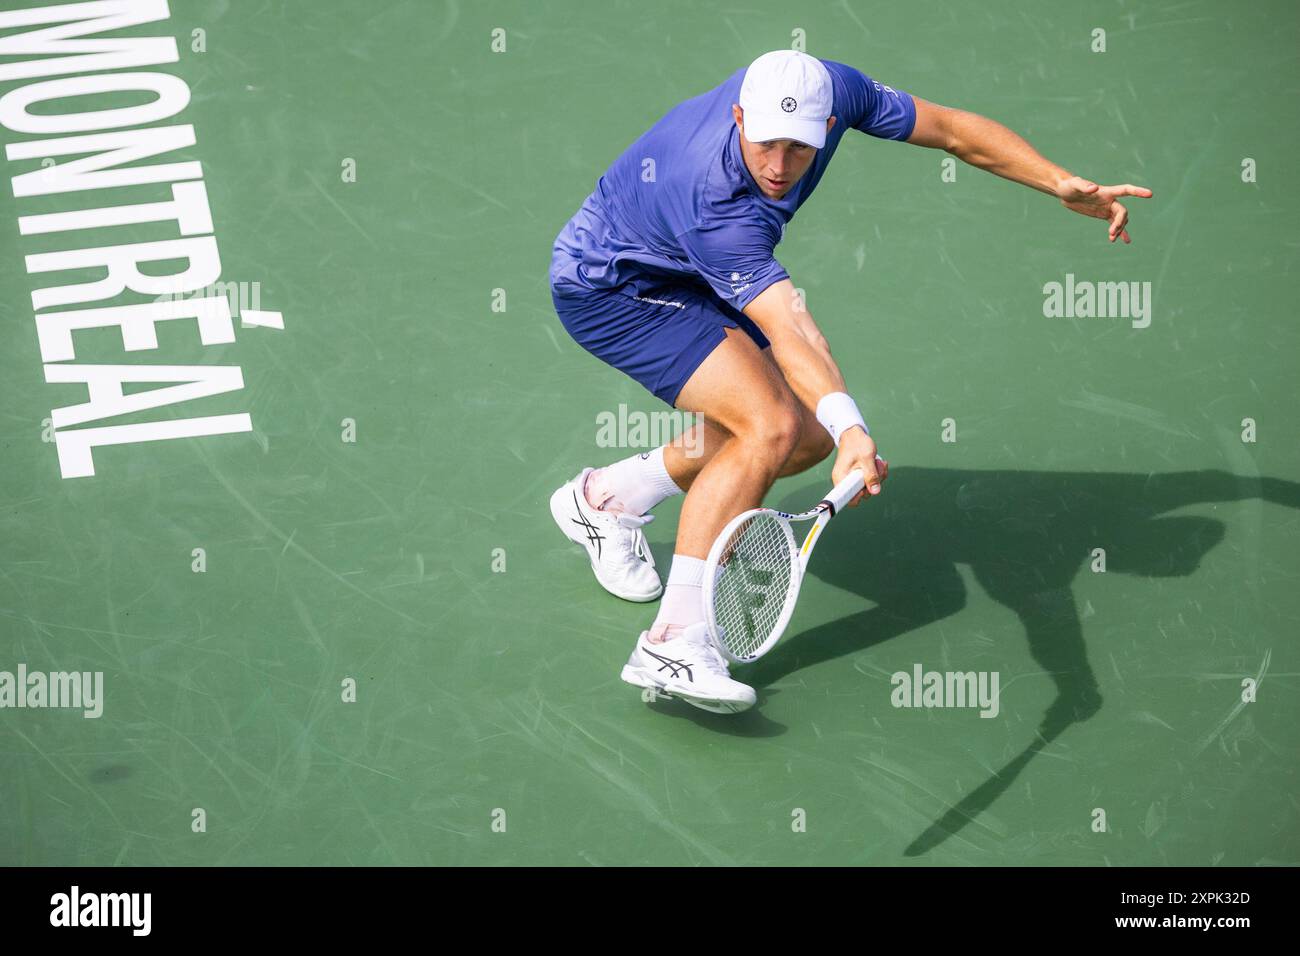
<point x="1025" y="536"/>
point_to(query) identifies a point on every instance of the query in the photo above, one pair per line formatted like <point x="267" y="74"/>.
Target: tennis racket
<point x="754" y="569"/>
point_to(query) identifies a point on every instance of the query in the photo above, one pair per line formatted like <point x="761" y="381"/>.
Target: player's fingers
<point x="1124" y="235"/>
<point x="871" y="479"/>
<point x="1118" y="219"/>
<point x="1140" y="191"/>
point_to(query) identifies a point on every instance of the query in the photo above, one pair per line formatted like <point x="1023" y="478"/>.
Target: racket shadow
<point x="1025" y="535"/>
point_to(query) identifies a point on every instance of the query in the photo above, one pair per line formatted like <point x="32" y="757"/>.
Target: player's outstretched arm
<point x="987" y="144"/>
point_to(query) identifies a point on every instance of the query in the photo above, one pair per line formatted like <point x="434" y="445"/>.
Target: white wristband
<point x="838" y="413"/>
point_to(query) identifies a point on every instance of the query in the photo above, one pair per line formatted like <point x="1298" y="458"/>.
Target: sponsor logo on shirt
<point x="739" y="283"/>
<point x="644" y="298"/>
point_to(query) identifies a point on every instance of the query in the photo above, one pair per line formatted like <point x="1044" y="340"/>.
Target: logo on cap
<point x="788" y="104"/>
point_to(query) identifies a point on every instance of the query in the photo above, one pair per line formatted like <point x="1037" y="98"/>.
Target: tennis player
<point x="667" y="273"/>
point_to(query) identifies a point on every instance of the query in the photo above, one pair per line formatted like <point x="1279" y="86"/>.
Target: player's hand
<point x="1100" y="202"/>
<point x="858" y="450"/>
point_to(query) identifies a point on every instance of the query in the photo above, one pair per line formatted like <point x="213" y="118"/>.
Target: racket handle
<point x="843" y="493"/>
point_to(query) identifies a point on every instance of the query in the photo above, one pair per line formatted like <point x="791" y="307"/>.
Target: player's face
<point x="776" y="164"/>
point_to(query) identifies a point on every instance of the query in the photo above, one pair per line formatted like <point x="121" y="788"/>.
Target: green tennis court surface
<point x="390" y="184"/>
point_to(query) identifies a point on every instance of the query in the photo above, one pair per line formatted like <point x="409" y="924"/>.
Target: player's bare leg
<point x="755" y="424"/>
<point x="754" y="430"/>
<point x="757" y="431"/>
<point x="687" y="454"/>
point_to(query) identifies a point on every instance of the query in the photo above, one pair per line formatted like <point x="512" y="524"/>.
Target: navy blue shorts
<point x="656" y="333"/>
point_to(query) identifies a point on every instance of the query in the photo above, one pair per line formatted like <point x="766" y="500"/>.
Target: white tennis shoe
<point x="688" y="666"/>
<point x="615" y="544"/>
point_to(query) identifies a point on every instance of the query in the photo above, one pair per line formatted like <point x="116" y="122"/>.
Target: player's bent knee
<point x="775" y="429"/>
<point x="815" y="443"/>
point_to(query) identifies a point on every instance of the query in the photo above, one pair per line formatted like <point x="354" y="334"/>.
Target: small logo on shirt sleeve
<point x="739" y="283"/>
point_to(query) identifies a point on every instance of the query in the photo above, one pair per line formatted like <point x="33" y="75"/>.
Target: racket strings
<point x="753" y="581"/>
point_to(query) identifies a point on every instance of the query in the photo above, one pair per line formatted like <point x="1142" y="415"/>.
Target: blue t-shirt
<point x="679" y="202"/>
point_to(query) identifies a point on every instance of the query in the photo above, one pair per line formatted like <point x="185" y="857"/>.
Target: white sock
<point x="683" y="602"/>
<point x="633" y="485"/>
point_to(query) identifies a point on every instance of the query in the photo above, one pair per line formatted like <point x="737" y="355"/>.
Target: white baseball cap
<point x="786" y="94"/>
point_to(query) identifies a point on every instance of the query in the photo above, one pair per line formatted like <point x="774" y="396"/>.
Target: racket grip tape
<point x="843" y="493"/>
